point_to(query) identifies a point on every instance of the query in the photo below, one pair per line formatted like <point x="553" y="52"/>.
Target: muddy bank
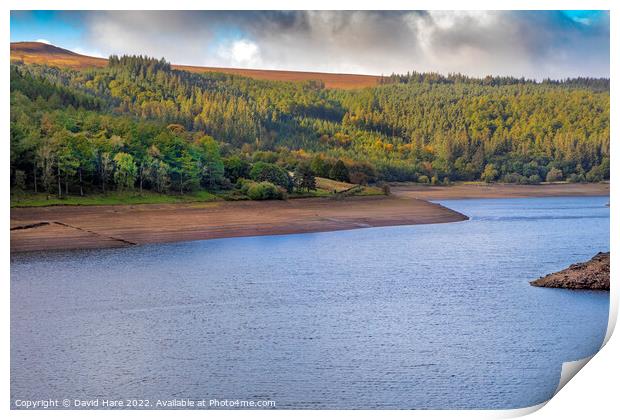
<point x="75" y="227"/>
<point x="482" y="190"/>
<point x="593" y="275"/>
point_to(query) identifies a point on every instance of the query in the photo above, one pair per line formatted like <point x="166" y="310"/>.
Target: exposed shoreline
<point x="84" y="227"/>
<point x="88" y="227"/>
<point x="590" y="275"/>
<point x="480" y="190"/>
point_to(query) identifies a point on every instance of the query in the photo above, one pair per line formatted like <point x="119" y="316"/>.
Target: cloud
<point x="241" y="53"/>
<point x="44" y="41"/>
<point x="88" y="52"/>
<point x="521" y="43"/>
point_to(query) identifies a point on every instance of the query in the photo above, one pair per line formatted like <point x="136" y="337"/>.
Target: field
<point x="39" y="53"/>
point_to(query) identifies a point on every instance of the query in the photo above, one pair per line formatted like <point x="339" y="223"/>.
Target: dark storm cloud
<point x="527" y="43"/>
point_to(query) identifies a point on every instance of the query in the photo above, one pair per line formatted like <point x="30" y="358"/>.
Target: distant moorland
<point x="83" y="125"/>
<point x="50" y="55"/>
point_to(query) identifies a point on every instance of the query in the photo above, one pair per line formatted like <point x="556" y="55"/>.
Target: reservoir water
<point x="433" y="316"/>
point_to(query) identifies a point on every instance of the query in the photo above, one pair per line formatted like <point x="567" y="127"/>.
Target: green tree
<point x="339" y="172"/>
<point x="158" y="174"/>
<point x="66" y="159"/>
<point x="45" y="160"/>
<point x="489" y="174"/>
<point x="320" y="166"/>
<point x="304" y="177"/>
<point x="125" y="171"/>
<point x="262" y="171"/>
<point x="105" y="163"/>
<point x="212" y="164"/>
<point x="235" y="168"/>
<point x="188" y="171"/>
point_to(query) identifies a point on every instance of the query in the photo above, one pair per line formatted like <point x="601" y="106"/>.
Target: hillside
<point x="138" y="122"/>
<point x="40" y="53"/>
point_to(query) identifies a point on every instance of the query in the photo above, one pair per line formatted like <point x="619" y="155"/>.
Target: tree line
<point x="137" y="123"/>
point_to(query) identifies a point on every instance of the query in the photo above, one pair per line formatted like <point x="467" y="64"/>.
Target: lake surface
<point x="435" y="316"/>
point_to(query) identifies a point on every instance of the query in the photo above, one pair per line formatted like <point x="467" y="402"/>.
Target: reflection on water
<point x="434" y="316"/>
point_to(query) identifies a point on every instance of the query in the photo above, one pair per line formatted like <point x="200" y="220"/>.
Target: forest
<point x="139" y="125"/>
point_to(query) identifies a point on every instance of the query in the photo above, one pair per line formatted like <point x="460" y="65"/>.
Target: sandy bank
<point x="481" y="190"/>
<point x="74" y="227"/>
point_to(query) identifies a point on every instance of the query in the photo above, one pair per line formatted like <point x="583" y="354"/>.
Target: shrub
<point x="259" y="190"/>
<point x="423" y="179"/>
<point x="534" y="179"/>
<point x="575" y="178"/>
<point x="513" y="178"/>
<point x="600" y="172"/>
<point x="554" y="175"/>
<point x="263" y="191"/>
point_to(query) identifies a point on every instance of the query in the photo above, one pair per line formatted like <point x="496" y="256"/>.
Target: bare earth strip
<point x="77" y="227"/>
<point x="475" y="190"/>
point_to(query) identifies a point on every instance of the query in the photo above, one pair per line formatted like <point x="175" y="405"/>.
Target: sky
<point x="532" y="44"/>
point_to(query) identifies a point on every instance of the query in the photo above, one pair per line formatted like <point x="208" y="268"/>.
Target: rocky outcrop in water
<point x="593" y="275"/>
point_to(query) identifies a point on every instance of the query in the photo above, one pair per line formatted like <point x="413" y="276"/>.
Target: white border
<point x="594" y="394"/>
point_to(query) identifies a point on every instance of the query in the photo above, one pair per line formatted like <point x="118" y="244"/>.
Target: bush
<point x="264" y="191"/>
<point x="423" y="179"/>
<point x="534" y="179"/>
<point x="600" y="172"/>
<point x="259" y="190"/>
<point x="513" y="178"/>
<point x="554" y="175"/>
<point x="575" y="178"/>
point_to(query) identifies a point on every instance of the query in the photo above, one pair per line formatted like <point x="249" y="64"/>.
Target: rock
<point x="593" y="275"/>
